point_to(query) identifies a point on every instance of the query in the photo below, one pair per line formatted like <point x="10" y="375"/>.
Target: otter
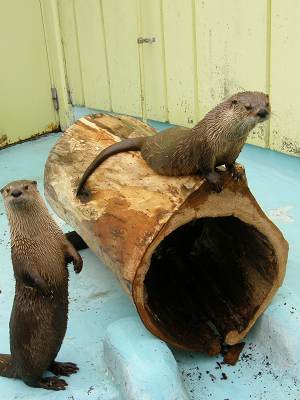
<point x="40" y="252"/>
<point x="216" y="140"/>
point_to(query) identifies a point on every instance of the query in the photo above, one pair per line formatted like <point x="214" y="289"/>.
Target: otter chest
<point x="45" y="256"/>
<point x="228" y="151"/>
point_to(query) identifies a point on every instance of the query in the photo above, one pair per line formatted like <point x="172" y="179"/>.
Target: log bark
<point x="201" y="267"/>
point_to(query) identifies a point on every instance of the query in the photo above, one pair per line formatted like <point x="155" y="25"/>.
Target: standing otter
<point x="39" y="315"/>
<point x="216" y="140"/>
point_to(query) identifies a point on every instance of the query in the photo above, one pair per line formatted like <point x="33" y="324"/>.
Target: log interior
<point x="208" y="278"/>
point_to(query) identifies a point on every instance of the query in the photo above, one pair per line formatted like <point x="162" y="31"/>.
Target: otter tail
<point x="120" y="147"/>
<point x="6" y="367"/>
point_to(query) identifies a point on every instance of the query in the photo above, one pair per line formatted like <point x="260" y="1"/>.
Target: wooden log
<point x="201" y="267"/>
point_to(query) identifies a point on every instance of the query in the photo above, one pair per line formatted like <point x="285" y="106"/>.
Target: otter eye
<point x="7" y="190"/>
<point x="248" y="107"/>
<point x="26" y="187"/>
<point x="267" y="104"/>
<point x="234" y="101"/>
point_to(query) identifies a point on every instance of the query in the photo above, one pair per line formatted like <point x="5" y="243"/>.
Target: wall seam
<point x="196" y="76"/>
<point x="268" y="65"/>
<point x="78" y="48"/>
<point x="106" y="55"/>
<point x="164" y="60"/>
<point x="46" y="45"/>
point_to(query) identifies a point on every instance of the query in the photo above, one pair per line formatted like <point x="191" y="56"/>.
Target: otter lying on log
<point x="216" y="140"/>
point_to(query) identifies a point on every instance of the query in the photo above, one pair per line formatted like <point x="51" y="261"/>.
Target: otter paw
<point x="215" y="181"/>
<point x="52" y="383"/>
<point x="47" y="292"/>
<point x="236" y="172"/>
<point x="65" y="369"/>
<point x="77" y="262"/>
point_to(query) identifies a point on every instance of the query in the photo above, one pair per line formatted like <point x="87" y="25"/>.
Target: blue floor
<point x="270" y="363"/>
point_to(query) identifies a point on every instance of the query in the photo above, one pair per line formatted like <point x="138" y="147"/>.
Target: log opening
<point x="208" y="278"/>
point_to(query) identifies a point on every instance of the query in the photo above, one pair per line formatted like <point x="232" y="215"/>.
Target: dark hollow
<point x="76" y="240"/>
<point x="208" y="277"/>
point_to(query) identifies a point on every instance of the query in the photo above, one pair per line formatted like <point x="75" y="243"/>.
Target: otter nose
<point x="262" y="113"/>
<point x="16" y="193"/>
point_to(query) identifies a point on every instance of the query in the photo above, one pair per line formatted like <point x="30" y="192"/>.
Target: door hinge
<point x="55" y="98"/>
<point x="141" y="40"/>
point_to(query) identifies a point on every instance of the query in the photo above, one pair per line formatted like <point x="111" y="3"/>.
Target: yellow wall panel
<point x="154" y="61"/>
<point x="285" y="76"/>
<point x="71" y="49"/>
<point x="121" y="32"/>
<point x="179" y="36"/>
<point x="91" y="41"/>
<point x="232" y="51"/>
<point x="205" y="50"/>
<point x="26" y="106"/>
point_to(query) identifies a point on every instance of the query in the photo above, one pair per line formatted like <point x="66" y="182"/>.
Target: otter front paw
<point x="32" y="279"/>
<point x="47" y="292"/>
<point x="236" y="171"/>
<point x="78" y="263"/>
<point x="72" y="255"/>
<point x="215" y="181"/>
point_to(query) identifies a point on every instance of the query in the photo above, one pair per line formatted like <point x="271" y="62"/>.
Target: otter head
<point x="250" y="108"/>
<point x="19" y="194"/>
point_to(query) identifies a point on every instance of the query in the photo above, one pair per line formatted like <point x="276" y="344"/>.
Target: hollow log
<point x="201" y="267"/>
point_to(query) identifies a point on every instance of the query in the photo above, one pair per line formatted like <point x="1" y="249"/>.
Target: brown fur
<point x="216" y="140"/>
<point x="39" y="315"/>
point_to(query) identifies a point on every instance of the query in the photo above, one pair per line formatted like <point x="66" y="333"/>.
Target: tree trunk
<point x="201" y="267"/>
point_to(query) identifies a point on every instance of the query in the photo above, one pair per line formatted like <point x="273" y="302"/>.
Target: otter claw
<point x="65" y="369"/>
<point x="216" y="187"/>
<point x="52" y="383"/>
<point x="215" y="182"/>
<point x="236" y="173"/>
<point x="47" y="292"/>
<point x="77" y="262"/>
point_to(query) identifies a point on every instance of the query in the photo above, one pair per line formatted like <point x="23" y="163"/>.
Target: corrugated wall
<point x="204" y="51"/>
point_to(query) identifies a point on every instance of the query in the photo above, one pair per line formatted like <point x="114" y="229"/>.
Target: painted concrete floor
<point x="270" y="363"/>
